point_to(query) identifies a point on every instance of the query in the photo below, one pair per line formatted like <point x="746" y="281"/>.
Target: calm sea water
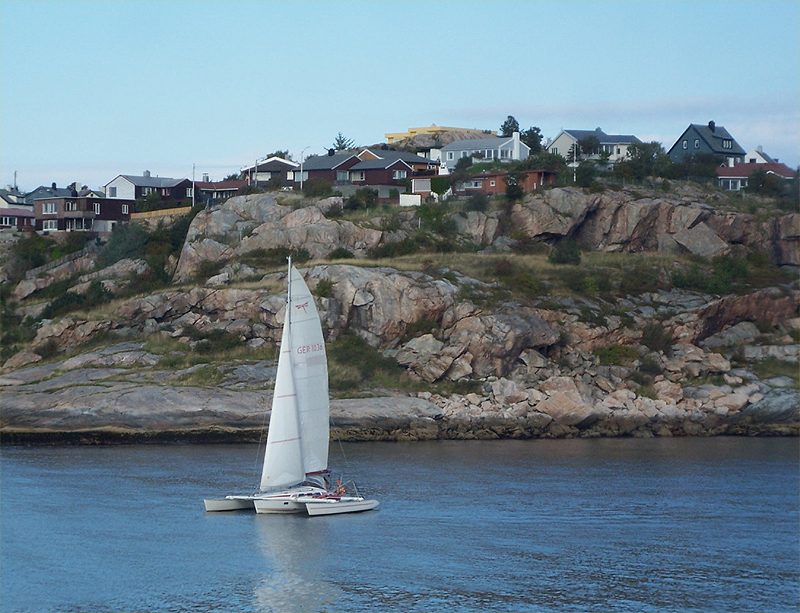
<point x="568" y="525"/>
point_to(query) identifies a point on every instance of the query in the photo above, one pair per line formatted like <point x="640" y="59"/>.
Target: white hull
<point x="345" y="505"/>
<point x="229" y="503"/>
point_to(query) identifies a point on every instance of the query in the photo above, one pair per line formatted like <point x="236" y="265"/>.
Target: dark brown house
<point x="81" y="214"/>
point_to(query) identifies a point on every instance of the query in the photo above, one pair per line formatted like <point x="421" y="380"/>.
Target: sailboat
<point x="295" y="476"/>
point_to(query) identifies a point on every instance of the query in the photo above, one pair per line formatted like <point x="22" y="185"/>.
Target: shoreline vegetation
<point x="561" y="313"/>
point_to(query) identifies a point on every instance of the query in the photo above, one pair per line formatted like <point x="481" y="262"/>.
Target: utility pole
<point x="193" y="187"/>
<point x="301" y="167"/>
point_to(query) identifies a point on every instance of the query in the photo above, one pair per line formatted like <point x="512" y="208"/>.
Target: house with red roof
<point x="735" y="177"/>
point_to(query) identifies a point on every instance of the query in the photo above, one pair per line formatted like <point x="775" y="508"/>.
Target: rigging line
<point x="341" y="448"/>
<point x="262" y="442"/>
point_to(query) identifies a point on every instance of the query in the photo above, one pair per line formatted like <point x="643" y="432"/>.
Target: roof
<point x="141" y="181"/>
<point x="327" y="162"/>
<point x="602" y="137"/>
<point x="714" y="139"/>
<point x="17" y="211"/>
<point x="48" y="192"/>
<point x="393" y="154"/>
<point x="273" y="163"/>
<point x="745" y="170"/>
<point x="380" y="164"/>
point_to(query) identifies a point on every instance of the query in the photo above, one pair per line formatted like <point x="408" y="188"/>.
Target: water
<point x="567" y="525"/>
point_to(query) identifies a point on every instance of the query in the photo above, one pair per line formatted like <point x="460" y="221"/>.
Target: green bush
<point x="619" y="355"/>
<point x="565" y="251"/>
<point x="67" y="302"/>
<point x="391" y="250"/>
<point x="340" y="253"/>
<point x="650" y="366"/>
<point x="639" y="279"/>
<point x="317" y="188"/>
<point x="363" y="198"/>
<point x="324" y="288"/>
<point x="656" y="338"/>
<point x="478" y="201"/>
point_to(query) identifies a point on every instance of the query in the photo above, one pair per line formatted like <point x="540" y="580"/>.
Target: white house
<point x="757" y="156"/>
<point x="616" y="145"/>
<point x="503" y="148"/>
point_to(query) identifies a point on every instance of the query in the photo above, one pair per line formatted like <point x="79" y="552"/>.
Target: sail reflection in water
<point x="294" y="550"/>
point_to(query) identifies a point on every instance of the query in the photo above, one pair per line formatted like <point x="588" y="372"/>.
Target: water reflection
<point x="295" y="549"/>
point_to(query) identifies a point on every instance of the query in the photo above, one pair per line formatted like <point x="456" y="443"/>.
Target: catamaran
<point x="295" y="476"/>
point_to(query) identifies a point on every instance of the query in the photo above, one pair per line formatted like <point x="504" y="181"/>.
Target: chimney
<point x="712" y="126"/>
<point x="146" y="174"/>
<point x="205" y="177"/>
<point x="331" y="152"/>
<point x="759" y="149"/>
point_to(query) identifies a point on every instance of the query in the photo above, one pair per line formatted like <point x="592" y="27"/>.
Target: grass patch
<point x="618" y="355"/>
<point x="773" y="367"/>
<point x="207" y="376"/>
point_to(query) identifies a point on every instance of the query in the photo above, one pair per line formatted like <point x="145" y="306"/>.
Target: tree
<point x="232" y="177"/>
<point x="589" y="145"/>
<point x="533" y="138"/>
<point x="644" y="160"/>
<point x="342" y="143"/>
<point x="284" y="155"/>
<point x="585" y="174"/>
<point x="510" y="125"/>
<point x="514" y="189"/>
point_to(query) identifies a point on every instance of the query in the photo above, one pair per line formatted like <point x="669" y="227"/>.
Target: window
<point x="685" y="144"/>
<point x="554" y="150"/>
<point x="696" y="143"/>
<point x="112" y="192"/>
<point x="49" y="208"/>
<point x="165" y="192"/>
<point x="342" y="175"/>
<point x="619" y="151"/>
<point x="504" y="153"/>
<point x="124" y="209"/>
<point x="50" y="224"/>
<point x="726" y="144"/>
<point x="189" y="192"/>
<point x="96" y="208"/>
<point x="358" y="175"/>
<point x="70" y="206"/>
<point x="8" y="221"/>
<point x="752" y="160"/>
<point x="398" y="174"/>
<point x="491" y="183"/>
<point x="464" y="154"/>
<point x="450" y="155"/>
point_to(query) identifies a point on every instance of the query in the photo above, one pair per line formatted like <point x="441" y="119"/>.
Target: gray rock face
<point x="248" y="223"/>
<point x="618" y="221"/>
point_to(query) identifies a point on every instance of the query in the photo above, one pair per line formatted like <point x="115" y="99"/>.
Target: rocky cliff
<point x="550" y="364"/>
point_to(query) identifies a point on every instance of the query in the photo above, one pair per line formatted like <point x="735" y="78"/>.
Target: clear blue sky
<point x="90" y="90"/>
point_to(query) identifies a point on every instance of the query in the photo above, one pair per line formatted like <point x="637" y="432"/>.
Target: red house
<point x="495" y="182"/>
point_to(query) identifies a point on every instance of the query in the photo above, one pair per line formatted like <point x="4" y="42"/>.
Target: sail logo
<point x="302" y="306"/>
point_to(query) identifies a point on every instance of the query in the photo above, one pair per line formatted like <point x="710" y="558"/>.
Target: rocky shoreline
<point x="554" y="360"/>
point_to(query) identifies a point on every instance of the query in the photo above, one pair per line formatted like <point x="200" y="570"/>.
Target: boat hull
<point x="229" y="503"/>
<point x="278" y="505"/>
<point x="334" y="507"/>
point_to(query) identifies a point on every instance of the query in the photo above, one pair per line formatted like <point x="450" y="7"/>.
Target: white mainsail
<point x="297" y="442"/>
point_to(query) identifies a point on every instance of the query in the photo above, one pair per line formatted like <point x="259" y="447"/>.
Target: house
<point x="503" y="148"/>
<point x="132" y="187"/>
<point x="81" y="214"/>
<point x="16" y="218"/>
<point x="212" y="192"/>
<point x="735" y="177"/>
<point x="757" y="156"/>
<point x="615" y="145"/>
<point x="11" y="197"/>
<point x="333" y="168"/>
<point x="272" y="169"/>
<point x="492" y="183"/>
<point x="708" y="139"/>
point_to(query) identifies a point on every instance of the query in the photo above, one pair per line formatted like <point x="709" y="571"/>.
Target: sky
<point x="91" y="90"/>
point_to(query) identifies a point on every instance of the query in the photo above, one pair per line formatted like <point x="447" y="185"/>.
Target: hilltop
<point x="568" y="313"/>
